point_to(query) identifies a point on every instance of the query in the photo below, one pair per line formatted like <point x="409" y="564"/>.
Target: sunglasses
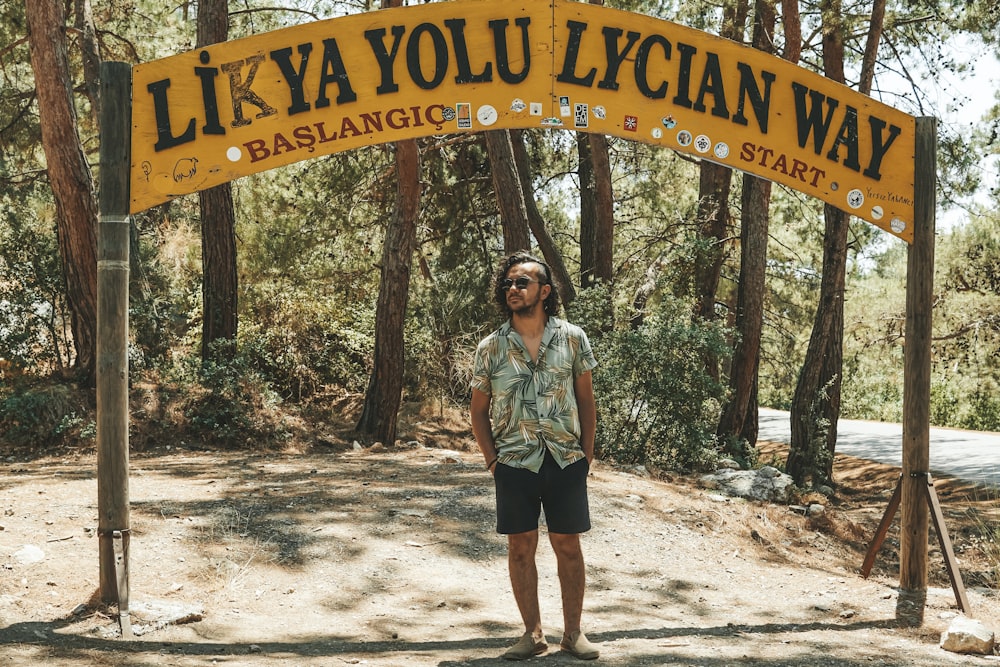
<point x="520" y="283"/>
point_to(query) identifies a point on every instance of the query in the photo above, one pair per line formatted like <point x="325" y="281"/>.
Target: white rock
<point x="28" y="554"/>
<point x="966" y="635"/>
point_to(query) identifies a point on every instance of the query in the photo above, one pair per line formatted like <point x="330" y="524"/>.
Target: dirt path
<point x="389" y="558"/>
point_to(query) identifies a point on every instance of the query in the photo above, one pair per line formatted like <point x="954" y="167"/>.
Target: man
<point x="533" y="416"/>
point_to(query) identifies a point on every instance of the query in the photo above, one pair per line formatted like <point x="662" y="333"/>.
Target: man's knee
<point x="566" y="546"/>
<point x="522" y="546"/>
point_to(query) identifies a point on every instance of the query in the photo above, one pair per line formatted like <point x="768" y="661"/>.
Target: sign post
<point x="112" y="337"/>
<point x="917" y="382"/>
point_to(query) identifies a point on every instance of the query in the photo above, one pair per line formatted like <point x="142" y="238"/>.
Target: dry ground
<point x="387" y="557"/>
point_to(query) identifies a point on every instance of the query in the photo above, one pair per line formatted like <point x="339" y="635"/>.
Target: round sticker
<point x="486" y="115"/>
<point x="855" y="198"/>
<point x="877" y="212"/>
<point x="448" y="113"/>
<point x="897" y="225"/>
<point x="684" y="138"/>
<point x="668" y="122"/>
<point x="234" y="154"/>
<point x="702" y="143"/>
<point x="721" y="150"/>
<point x="656" y="132"/>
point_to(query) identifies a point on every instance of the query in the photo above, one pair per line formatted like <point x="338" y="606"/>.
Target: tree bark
<point x="714" y="186"/>
<point x="507" y="185"/>
<point x="536" y="223"/>
<point x="821" y="371"/>
<point x="84" y="22"/>
<point x="385" y="387"/>
<point x="220" y="283"/>
<point x="597" y="209"/>
<point x="738" y="425"/>
<point x="69" y="176"/>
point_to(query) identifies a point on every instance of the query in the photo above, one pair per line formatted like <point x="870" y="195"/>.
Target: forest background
<point x="346" y="290"/>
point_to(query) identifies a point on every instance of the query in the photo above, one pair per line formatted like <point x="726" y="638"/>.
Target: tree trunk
<point x="604" y="233"/>
<point x="507" y="185"/>
<point x="738" y="426"/>
<point x="536" y="223"/>
<point x="385" y="387"/>
<point x="597" y="209"/>
<point x="817" y="393"/>
<point x="588" y="211"/>
<point x="714" y="185"/>
<point x="597" y="262"/>
<point x="219" y="287"/>
<point x="69" y="175"/>
<point x="84" y="22"/>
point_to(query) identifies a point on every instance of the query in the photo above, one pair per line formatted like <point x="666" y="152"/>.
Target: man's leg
<point x="572" y="578"/>
<point x="521" y="549"/>
<point x="572" y="581"/>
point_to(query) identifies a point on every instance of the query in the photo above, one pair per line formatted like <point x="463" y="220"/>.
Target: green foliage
<point x="44" y="414"/>
<point x="656" y="404"/>
<point x="229" y="404"/>
<point x="300" y="342"/>
<point x="33" y="333"/>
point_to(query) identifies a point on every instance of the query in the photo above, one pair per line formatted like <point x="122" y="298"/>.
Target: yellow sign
<point x="214" y="114"/>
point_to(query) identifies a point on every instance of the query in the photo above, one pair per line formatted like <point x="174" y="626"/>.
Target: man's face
<point x="526" y="291"/>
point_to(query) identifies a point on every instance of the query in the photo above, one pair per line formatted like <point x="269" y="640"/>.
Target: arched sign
<point x="211" y="115"/>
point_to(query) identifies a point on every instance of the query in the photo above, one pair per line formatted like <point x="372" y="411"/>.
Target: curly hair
<point x="551" y="303"/>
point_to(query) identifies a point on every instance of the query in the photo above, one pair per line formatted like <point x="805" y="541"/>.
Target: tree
<point x="69" y="176"/>
<point x="715" y="184"/>
<point x="597" y="207"/>
<point x="382" y="399"/>
<point x="738" y="425"/>
<point x="553" y="257"/>
<point x="219" y="286"/>
<point x="816" y="403"/>
<point x="507" y="185"/>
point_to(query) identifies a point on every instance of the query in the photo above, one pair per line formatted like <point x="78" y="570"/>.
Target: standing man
<point x="533" y="416"/>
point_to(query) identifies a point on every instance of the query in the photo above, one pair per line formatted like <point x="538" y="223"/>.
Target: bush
<point x="43" y="415"/>
<point x="227" y="403"/>
<point x="656" y="403"/>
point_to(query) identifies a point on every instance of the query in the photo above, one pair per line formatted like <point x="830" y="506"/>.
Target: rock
<point x="825" y="490"/>
<point x="450" y="456"/>
<point x="28" y="555"/>
<point x="966" y="635"/>
<point x="728" y="464"/>
<point x="815" y="509"/>
<point x="766" y="483"/>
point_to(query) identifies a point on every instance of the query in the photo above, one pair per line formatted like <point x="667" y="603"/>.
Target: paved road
<point x="968" y="455"/>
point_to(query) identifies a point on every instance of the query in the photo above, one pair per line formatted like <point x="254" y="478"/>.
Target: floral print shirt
<point x="533" y="405"/>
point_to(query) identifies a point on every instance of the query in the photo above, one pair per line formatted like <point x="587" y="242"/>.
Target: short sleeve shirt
<point x="533" y="405"/>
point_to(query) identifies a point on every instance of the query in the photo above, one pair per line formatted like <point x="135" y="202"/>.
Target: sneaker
<point x="577" y="645"/>
<point x="526" y="647"/>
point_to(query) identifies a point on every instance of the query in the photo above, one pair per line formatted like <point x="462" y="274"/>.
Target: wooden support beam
<point x="917" y="381"/>
<point x="112" y="328"/>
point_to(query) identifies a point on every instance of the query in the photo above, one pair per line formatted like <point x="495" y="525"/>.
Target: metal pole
<point x="917" y="381"/>
<point x="112" y="328"/>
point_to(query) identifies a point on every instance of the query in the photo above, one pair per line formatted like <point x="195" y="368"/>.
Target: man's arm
<point x="482" y="429"/>
<point x="583" y="386"/>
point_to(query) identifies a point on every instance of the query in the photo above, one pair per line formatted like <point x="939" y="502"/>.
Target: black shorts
<point x="562" y="492"/>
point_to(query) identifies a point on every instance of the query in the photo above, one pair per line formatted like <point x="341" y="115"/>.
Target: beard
<point x="524" y="307"/>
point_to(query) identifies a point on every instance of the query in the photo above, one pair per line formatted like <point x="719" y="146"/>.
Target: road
<point x="969" y="455"/>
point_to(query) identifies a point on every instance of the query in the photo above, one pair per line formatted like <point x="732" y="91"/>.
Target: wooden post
<point x="112" y="328"/>
<point x="917" y="381"/>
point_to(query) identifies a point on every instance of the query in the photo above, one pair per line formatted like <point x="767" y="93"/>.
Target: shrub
<point x="44" y="415"/>
<point x="656" y="403"/>
<point x="226" y="403"/>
